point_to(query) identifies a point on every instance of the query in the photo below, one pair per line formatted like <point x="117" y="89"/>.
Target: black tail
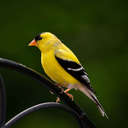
<point x="92" y="96"/>
<point x="101" y="109"/>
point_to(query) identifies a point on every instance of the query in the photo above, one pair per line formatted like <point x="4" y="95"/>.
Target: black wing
<point x="76" y="70"/>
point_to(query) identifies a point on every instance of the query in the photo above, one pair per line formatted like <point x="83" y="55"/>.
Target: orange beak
<point x="32" y="43"/>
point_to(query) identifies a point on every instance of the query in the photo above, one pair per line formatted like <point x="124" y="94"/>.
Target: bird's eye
<point x="38" y="38"/>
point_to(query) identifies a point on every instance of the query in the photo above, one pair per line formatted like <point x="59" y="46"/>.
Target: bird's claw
<point x="70" y="96"/>
<point x="57" y="100"/>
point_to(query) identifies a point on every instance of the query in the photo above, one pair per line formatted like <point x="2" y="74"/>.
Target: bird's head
<point x="44" y="41"/>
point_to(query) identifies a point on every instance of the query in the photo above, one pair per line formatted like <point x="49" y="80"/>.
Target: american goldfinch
<point x="63" y="67"/>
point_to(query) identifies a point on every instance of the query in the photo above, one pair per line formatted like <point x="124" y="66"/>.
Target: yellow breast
<point x="55" y="71"/>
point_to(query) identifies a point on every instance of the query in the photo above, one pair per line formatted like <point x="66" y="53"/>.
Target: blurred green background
<point x="95" y="30"/>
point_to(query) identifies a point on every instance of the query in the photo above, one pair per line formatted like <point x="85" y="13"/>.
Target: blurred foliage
<point x="95" y="30"/>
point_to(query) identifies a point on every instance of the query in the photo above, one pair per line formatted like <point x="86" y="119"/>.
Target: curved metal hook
<point x="38" y="107"/>
<point x="23" y="69"/>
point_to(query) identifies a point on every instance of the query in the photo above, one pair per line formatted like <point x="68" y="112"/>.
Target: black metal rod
<point x="24" y="69"/>
<point x="38" y="107"/>
<point x="2" y="102"/>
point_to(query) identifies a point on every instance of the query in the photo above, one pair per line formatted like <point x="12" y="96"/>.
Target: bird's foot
<point x="57" y="100"/>
<point x="66" y="91"/>
<point x="70" y="96"/>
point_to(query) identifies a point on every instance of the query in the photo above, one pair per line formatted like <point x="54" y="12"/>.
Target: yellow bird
<point x="63" y="67"/>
